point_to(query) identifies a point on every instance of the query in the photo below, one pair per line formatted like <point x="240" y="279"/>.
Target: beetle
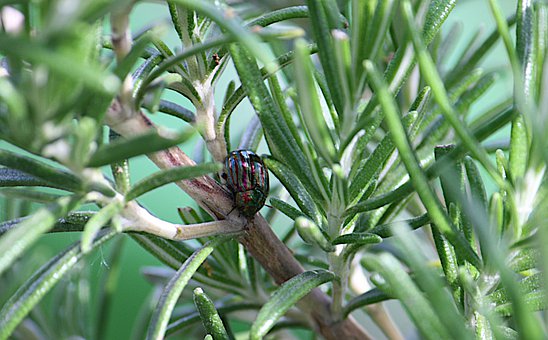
<point x="246" y="177"/>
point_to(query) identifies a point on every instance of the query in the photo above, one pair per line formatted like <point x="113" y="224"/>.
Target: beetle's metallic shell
<point x="247" y="177"/>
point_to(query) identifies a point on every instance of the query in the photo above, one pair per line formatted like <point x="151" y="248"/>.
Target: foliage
<point x="367" y="130"/>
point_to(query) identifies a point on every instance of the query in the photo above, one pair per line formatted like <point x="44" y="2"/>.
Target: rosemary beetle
<point x="246" y="177"/>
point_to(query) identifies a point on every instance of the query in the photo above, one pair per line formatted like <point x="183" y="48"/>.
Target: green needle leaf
<point x="519" y="149"/>
<point x="535" y="301"/>
<point x="311" y="109"/>
<point x="358" y="238"/>
<point x="194" y="317"/>
<point x="373" y="296"/>
<point x="322" y="28"/>
<point x="376" y="33"/>
<point x="311" y="233"/>
<point x="174" y="288"/>
<point x="466" y="65"/>
<point x="169" y="176"/>
<point x="285" y="297"/>
<point x="97" y="221"/>
<point x="16" y="178"/>
<point x="29" y="195"/>
<point x="385" y="230"/>
<point x="74" y="221"/>
<point x="285" y="208"/>
<point x="126" y="148"/>
<point x="528" y="285"/>
<point x="14" y="242"/>
<point x="296" y="189"/>
<point x="374" y="164"/>
<point x="210" y="318"/>
<point x="282" y="14"/>
<point x="533" y="295"/>
<point x="525" y="259"/>
<point x="54" y="177"/>
<point x="34" y="289"/>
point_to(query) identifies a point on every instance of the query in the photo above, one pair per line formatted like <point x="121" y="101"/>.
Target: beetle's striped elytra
<point x="246" y="176"/>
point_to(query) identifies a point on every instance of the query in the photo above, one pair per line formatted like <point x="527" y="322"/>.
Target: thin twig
<point x="137" y="218"/>
<point x="121" y="43"/>
<point x="206" y="120"/>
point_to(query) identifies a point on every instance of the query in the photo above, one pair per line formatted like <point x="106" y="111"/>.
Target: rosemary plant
<point x="379" y="163"/>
